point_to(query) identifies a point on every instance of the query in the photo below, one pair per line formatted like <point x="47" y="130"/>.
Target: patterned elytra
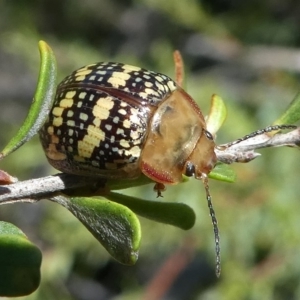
<point x="116" y="121"/>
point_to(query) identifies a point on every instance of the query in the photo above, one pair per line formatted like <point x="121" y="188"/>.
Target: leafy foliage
<point x="20" y="262"/>
<point x="258" y="215"/>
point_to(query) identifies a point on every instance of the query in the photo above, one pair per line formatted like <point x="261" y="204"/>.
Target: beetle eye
<point x="208" y="135"/>
<point x="189" y="169"/>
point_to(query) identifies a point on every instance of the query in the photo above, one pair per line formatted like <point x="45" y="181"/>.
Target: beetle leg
<point x="159" y="188"/>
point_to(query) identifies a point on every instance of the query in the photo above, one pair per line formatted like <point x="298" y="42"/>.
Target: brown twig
<point x="46" y="187"/>
<point x="40" y="188"/>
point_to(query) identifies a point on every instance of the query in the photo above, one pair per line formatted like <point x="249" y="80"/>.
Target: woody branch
<point x="47" y="187"/>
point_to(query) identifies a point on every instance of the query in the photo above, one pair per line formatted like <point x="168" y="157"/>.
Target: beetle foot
<point x="159" y="188"/>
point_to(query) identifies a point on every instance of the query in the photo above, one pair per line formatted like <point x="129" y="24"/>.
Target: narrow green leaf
<point x="223" y="172"/>
<point x="292" y="114"/>
<point x="115" y="226"/>
<point x="217" y="114"/>
<point x="20" y="262"/>
<point x="118" y="184"/>
<point x="41" y="104"/>
<point x="176" y="214"/>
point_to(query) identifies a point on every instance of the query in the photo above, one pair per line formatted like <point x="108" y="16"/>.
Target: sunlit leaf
<point x="176" y="214"/>
<point x="223" y="172"/>
<point x="41" y="104"/>
<point x="115" y="226"/>
<point x="217" y="114"/>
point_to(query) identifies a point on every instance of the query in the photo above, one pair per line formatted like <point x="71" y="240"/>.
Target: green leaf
<point x="115" y="226"/>
<point x="20" y="262"/>
<point x="117" y="184"/>
<point x="292" y="114"/>
<point x="41" y="104"/>
<point x="217" y="114"/>
<point x="176" y="214"/>
<point x="223" y="172"/>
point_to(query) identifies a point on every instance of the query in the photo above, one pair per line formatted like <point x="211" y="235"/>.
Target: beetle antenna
<point x="215" y="224"/>
<point x="261" y="131"/>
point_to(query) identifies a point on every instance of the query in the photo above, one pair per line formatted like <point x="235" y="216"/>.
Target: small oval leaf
<point x="20" y="262"/>
<point x="176" y="214"/>
<point x="223" y="172"/>
<point x="115" y="226"/>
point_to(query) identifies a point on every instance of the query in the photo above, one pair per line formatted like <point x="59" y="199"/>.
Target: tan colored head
<point x="178" y="142"/>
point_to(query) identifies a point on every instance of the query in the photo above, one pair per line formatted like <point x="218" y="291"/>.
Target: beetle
<point x="115" y="121"/>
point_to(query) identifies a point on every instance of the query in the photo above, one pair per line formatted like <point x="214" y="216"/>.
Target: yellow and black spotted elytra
<point x="116" y="121"/>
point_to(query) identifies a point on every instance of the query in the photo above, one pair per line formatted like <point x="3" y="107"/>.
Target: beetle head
<point x="203" y="158"/>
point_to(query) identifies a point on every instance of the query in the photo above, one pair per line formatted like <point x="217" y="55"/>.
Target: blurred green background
<point x="245" y="51"/>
